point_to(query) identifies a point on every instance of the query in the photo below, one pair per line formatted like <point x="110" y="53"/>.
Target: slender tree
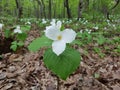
<point x="66" y="4"/>
<point x="80" y="6"/>
<point x="19" y="9"/>
<point x="50" y="9"/>
<point x="117" y="2"/>
<point x="43" y="7"/>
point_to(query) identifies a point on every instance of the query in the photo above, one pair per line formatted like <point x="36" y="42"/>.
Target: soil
<point x="5" y="45"/>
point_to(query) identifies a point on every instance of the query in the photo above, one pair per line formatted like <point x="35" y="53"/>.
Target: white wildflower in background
<point x="96" y="27"/>
<point x="17" y="30"/>
<point x="60" y="38"/>
<point x="86" y="30"/>
<point x="63" y="21"/>
<point x="53" y="22"/>
<point x="85" y="22"/>
<point x="89" y="31"/>
<point x="114" y="26"/>
<point x="28" y="23"/>
<point x="1" y="25"/>
<point x="81" y="31"/>
<point x="105" y="28"/>
<point x="44" y="21"/>
<point x="76" y="24"/>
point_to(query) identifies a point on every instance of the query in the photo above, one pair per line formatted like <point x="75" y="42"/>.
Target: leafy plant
<point x="61" y="60"/>
<point x="39" y="43"/>
<point x="18" y="38"/>
<point x="7" y="33"/>
<point x="64" y="64"/>
<point x="99" y="52"/>
<point x="15" y="45"/>
<point x="100" y="39"/>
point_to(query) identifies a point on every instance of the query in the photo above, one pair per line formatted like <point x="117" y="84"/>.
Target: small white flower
<point x="53" y="22"/>
<point x="76" y="24"/>
<point x="44" y="21"/>
<point x="63" y="21"/>
<point x="105" y="28"/>
<point x="17" y="30"/>
<point x="29" y="23"/>
<point x="114" y="25"/>
<point x="1" y="25"/>
<point x="81" y="31"/>
<point x="60" y="38"/>
<point x="86" y="30"/>
<point x="96" y="27"/>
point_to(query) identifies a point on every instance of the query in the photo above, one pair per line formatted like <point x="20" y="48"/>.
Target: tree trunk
<point x="66" y="4"/>
<point x="36" y="9"/>
<point x="54" y="9"/>
<point x="44" y="14"/>
<point x="80" y="6"/>
<point x="50" y="10"/>
<point x="41" y="8"/>
<point x="108" y="12"/>
<point x="19" y="9"/>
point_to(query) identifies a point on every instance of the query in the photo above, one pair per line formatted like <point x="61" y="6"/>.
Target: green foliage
<point x="96" y="75"/>
<point x="15" y="45"/>
<point x="117" y="49"/>
<point x="62" y="65"/>
<point x="25" y="28"/>
<point x="100" y="39"/>
<point x="83" y="38"/>
<point x="18" y="38"/>
<point x="39" y="43"/>
<point x="7" y="33"/>
<point x="21" y="36"/>
<point x="99" y="52"/>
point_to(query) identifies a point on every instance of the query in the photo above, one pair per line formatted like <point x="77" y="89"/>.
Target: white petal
<point x="58" y="24"/>
<point x="58" y="47"/>
<point x="53" y="22"/>
<point x="52" y="32"/>
<point x="17" y="31"/>
<point x="68" y="35"/>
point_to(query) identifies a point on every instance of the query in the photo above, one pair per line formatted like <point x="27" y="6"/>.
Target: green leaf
<point x="14" y="43"/>
<point x="7" y="33"/>
<point x="39" y="43"/>
<point x="101" y="40"/>
<point x="78" y="42"/>
<point x="22" y="36"/>
<point x="64" y="64"/>
<point x="13" y="47"/>
<point x="25" y="27"/>
<point x="96" y="75"/>
<point x="20" y="43"/>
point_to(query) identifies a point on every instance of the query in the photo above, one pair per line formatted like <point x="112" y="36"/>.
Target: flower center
<point x="59" y="37"/>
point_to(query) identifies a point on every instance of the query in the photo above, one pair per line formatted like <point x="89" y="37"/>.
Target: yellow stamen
<point x="59" y="37"/>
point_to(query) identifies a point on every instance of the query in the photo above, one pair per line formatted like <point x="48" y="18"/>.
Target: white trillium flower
<point x="60" y="38"/>
<point x="17" y="30"/>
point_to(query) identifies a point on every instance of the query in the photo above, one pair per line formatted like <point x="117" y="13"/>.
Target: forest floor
<point x="25" y="70"/>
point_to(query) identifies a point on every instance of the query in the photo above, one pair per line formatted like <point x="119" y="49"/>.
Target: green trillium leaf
<point x="64" y="64"/>
<point x="39" y="43"/>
